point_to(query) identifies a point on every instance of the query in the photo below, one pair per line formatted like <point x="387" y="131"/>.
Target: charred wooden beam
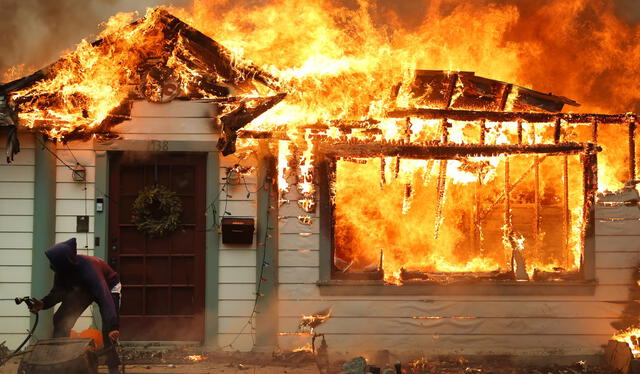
<point x="477" y="115"/>
<point x="443" y="152"/>
<point x="248" y="134"/>
<point x="632" y="150"/>
<point x="219" y="56"/>
<point x="240" y="117"/>
<point x="24" y="82"/>
<point x="566" y="214"/>
<point x="557" y="131"/>
<point x="590" y="186"/>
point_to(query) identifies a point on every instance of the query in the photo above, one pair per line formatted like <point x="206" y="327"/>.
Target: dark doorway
<point x="162" y="277"/>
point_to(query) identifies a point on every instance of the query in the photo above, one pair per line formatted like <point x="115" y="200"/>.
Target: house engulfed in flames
<point x="463" y="216"/>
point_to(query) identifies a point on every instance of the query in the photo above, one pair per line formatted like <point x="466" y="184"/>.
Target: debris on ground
<point x="196" y="360"/>
<point x="356" y="366"/>
<point x="4" y="351"/>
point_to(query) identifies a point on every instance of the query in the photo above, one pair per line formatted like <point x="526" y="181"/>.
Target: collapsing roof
<point x="158" y="58"/>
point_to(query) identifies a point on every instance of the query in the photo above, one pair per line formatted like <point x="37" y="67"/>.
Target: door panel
<point x="162" y="278"/>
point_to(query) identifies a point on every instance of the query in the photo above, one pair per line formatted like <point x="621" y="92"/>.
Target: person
<point x="80" y="280"/>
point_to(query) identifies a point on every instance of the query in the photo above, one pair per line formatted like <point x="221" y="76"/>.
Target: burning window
<point x="443" y="213"/>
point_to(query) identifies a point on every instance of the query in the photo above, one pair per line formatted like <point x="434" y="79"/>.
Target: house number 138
<point x="158" y="146"/>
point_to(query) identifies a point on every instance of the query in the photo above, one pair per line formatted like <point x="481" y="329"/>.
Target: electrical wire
<point x="54" y="154"/>
<point x="261" y="278"/>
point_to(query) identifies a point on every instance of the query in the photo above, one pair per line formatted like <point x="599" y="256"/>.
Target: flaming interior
<point x="389" y="219"/>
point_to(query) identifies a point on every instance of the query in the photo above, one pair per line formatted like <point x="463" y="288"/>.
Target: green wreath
<point x="157" y="210"/>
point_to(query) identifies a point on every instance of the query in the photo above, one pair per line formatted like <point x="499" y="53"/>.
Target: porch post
<point x="44" y="230"/>
<point x="212" y="253"/>
<point x="101" y="218"/>
<point x="266" y="309"/>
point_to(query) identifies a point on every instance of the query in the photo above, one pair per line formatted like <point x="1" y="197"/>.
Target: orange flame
<point x="352" y="63"/>
<point x="196" y="358"/>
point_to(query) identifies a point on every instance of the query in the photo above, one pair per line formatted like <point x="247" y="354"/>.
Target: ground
<point x="175" y="362"/>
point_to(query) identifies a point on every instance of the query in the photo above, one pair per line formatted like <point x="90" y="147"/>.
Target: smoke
<point x="34" y="33"/>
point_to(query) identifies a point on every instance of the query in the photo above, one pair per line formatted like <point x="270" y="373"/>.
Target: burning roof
<point x="157" y="58"/>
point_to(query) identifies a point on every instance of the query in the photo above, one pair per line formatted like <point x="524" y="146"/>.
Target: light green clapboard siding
<point x="16" y="227"/>
<point x="470" y="324"/>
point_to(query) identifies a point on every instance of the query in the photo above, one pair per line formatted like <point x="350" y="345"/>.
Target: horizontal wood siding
<point x="72" y="200"/>
<point x="237" y="263"/>
<point x="16" y="235"/>
<point x="473" y="324"/>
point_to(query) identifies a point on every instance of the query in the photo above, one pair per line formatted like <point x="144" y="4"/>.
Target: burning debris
<point x="195" y="358"/>
<point x="311" y="322"/>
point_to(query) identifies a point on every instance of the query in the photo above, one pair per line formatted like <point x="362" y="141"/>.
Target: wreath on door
<point x="156" y="210"/>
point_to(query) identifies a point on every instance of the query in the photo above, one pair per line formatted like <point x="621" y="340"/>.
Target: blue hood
<point x="63" y="256"/>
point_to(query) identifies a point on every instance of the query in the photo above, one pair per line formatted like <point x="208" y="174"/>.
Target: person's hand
<point x="36" y="305"/>
<point x="114" y="335"/>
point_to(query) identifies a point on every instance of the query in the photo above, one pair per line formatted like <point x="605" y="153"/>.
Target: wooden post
<point x="557" y="131"/>
<point x="520" y="131"/>
<point x="566" y="214"/>
<point x="266" y="309"/>
<point x="212" y="241"/>
<point x="536" y="198"/>
<point x="590" y="186"/>
<point x="477" y="238"/>
<point x="322" y="165"/>
<point x="507" y="194"/>
<point x="632" y="150"/>
<point x="44" y="221"/>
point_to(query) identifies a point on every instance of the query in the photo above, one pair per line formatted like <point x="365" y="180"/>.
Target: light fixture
<point x="79" y="173"/>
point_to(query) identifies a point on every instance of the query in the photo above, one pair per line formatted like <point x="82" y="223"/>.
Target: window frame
<point x="326" y="166"/>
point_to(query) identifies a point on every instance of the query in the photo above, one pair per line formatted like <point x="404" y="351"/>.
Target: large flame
<point x="344" y="62"/>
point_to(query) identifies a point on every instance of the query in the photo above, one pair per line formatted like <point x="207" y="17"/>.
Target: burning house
<point x="454" y="213"/>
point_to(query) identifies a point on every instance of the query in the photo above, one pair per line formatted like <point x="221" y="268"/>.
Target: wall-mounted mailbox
<point x="237" y="230"/>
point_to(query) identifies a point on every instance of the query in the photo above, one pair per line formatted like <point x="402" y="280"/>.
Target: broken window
<point x="452" y="213"/>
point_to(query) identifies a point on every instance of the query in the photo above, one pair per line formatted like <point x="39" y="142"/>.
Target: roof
<point x="169" y="60"/>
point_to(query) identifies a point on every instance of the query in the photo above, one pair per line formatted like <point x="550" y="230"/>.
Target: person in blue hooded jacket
<point x="80" y="280"/>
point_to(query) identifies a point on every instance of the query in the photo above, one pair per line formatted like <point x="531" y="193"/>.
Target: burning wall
<point x="346" y="96"/>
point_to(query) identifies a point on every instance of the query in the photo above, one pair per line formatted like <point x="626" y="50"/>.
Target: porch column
<point x="44" y="230"/>
<point x="266" y="309"/>
<point x="212" y="253"/>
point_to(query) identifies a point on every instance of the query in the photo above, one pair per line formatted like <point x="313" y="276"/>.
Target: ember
<point x="195" y="358"/>
<point x="305" y="348"/>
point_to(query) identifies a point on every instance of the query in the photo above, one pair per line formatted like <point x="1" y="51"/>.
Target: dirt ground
<point x="164" y="362"/>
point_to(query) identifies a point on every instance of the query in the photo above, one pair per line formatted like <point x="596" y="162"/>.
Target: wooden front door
<point x="162" y="277"/>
